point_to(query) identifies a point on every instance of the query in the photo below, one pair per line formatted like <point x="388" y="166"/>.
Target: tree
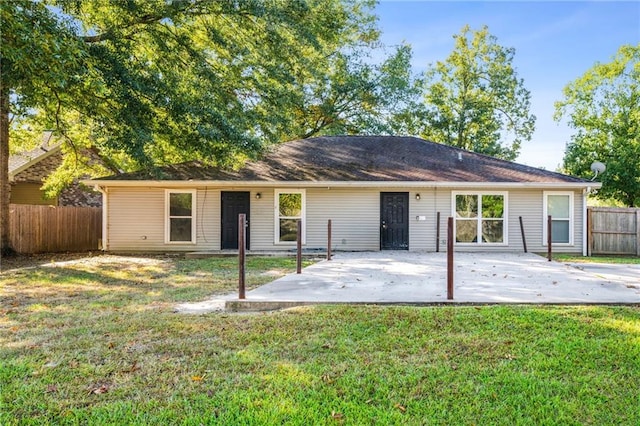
<point x="603" y="105"/>
<point x="352" y="95"/>
<point x="163" y="81"/>
<point x="474" y="99"/>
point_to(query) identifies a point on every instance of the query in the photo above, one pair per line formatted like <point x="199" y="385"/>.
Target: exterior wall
<point x="27" y="183"/>
<point x="527" y="203"/>
<point x="30" y="193"/>
<point x="136" y="219"/>
<point x="75" y="195"/>
<point x="354" y="214"/>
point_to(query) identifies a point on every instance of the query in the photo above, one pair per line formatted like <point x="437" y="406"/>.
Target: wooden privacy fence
<point x="614" y="231"/>
<point x="48" y="229"/>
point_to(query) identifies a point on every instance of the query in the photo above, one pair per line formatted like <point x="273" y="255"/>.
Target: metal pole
<point x="241" y="255"/>
<point x="450" y="259"/>
<point x="437" y="232"/>
<point x="524" y="240"/>
<point x="299" y="248"/>
<point x="549" y="237"/>
<point x="329" y="239"/>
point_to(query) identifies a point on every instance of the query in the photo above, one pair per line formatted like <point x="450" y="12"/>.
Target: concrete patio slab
<point x="389" y="277"/>
<point x="410" y="278"/>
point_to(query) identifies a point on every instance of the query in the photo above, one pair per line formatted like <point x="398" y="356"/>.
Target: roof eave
<point x="46" y="153"/>
<point x="333" y="184"/>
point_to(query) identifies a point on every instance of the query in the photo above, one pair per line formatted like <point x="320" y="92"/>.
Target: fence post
<point x="549" y="237"/>
<point x="241" y="255"/>
<point x="524" y="240"/>
<point x="589" y="231"/>
<point x="450" y="258"/>
<point x="329" y="239"/>
<point x="638" y="232"/>
<point x="437" y="232"/>
<point x="299" y="248"/>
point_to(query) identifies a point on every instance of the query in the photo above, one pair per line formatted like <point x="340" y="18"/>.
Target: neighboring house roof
<point x="359" y="159"/>
<point x="22" y="161"/>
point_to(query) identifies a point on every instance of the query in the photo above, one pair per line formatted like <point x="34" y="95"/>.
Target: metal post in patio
<point x="549" y="237"/>
<point x="437" y="232"/>
<point x="299" y="248"/>
<point x="241" y="255"/>
<point x="450" y="258"/>
<point x="524" y="240"/>
<point x="329" y="239"/>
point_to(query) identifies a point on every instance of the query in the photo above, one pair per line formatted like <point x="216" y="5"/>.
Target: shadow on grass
<point x="132" y="281"/>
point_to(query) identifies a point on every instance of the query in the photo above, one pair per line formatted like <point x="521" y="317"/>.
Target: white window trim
<point x="276" y="215"/>
<point x="505" y="218"/>
<point x="545" y="196"/>
<point x="167" y="225"/>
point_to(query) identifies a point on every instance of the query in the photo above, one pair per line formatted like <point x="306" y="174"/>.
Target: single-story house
<point x="29" y="169"/>
<point x="380" y="192"/>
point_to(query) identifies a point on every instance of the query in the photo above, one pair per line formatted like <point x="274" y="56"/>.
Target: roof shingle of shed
<point x="363" y="159"/>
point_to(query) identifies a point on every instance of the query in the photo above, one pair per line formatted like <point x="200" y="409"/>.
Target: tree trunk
<point x="5" y="189"/>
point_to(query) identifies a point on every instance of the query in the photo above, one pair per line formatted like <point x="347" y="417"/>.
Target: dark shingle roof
<point x="18" y="160"/>
<point x="361" y="158"/>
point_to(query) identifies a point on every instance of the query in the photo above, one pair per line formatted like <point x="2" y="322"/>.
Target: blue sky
<point x="555" y="43"/>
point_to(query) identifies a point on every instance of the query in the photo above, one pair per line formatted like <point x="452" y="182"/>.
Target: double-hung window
<point x="558" y="205"/>
<point x="480" y="218"/>
<point x="180" y="212"/>
<point x="289" y="210"/>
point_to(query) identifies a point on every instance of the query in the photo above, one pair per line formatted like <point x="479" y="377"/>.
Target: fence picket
<point x="46" y="229"/>
<point x="614" y="231"/>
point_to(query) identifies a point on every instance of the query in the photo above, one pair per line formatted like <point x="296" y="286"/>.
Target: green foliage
<point x="474" y="99"/>
<point x="603" y="106"/>
<point x="152" y="82"/>
<point x="348" y="94"/>
<point x="594" y="201"/>
<point x="157" y="82"/>
<point x="41" y="54"/>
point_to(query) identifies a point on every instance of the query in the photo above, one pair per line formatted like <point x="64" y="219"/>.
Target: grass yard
<point x="596" y="259"/>
<point x="98" y="342"/>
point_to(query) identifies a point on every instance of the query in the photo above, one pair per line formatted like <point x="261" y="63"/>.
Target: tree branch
<point x="195" y="8"/>
<point x="109" y="34"/>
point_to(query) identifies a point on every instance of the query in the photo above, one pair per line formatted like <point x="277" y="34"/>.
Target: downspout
<point x="585" y="193"/>
<point x="105" y="209"/>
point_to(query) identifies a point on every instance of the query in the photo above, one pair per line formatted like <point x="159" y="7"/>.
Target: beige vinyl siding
<point x="422" y="233"/>
<point x="30" y="193"/>
<point x="262" y="220"/>
<point x="136" y="219"/>
<point x="208" y="219"/>
<point x="354" y="214"/>
<point x="527" y="203"/>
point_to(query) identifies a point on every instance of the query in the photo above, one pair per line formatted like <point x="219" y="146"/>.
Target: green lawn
<point x="596" y="259"/>
<point x="99" y="343"/>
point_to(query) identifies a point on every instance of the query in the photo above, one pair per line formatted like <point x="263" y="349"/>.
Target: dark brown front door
<point x="394" y="221"/>
<point x="233" y="204"/>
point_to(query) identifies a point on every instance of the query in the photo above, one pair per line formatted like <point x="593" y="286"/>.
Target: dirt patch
<point x="18" y="262"/>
